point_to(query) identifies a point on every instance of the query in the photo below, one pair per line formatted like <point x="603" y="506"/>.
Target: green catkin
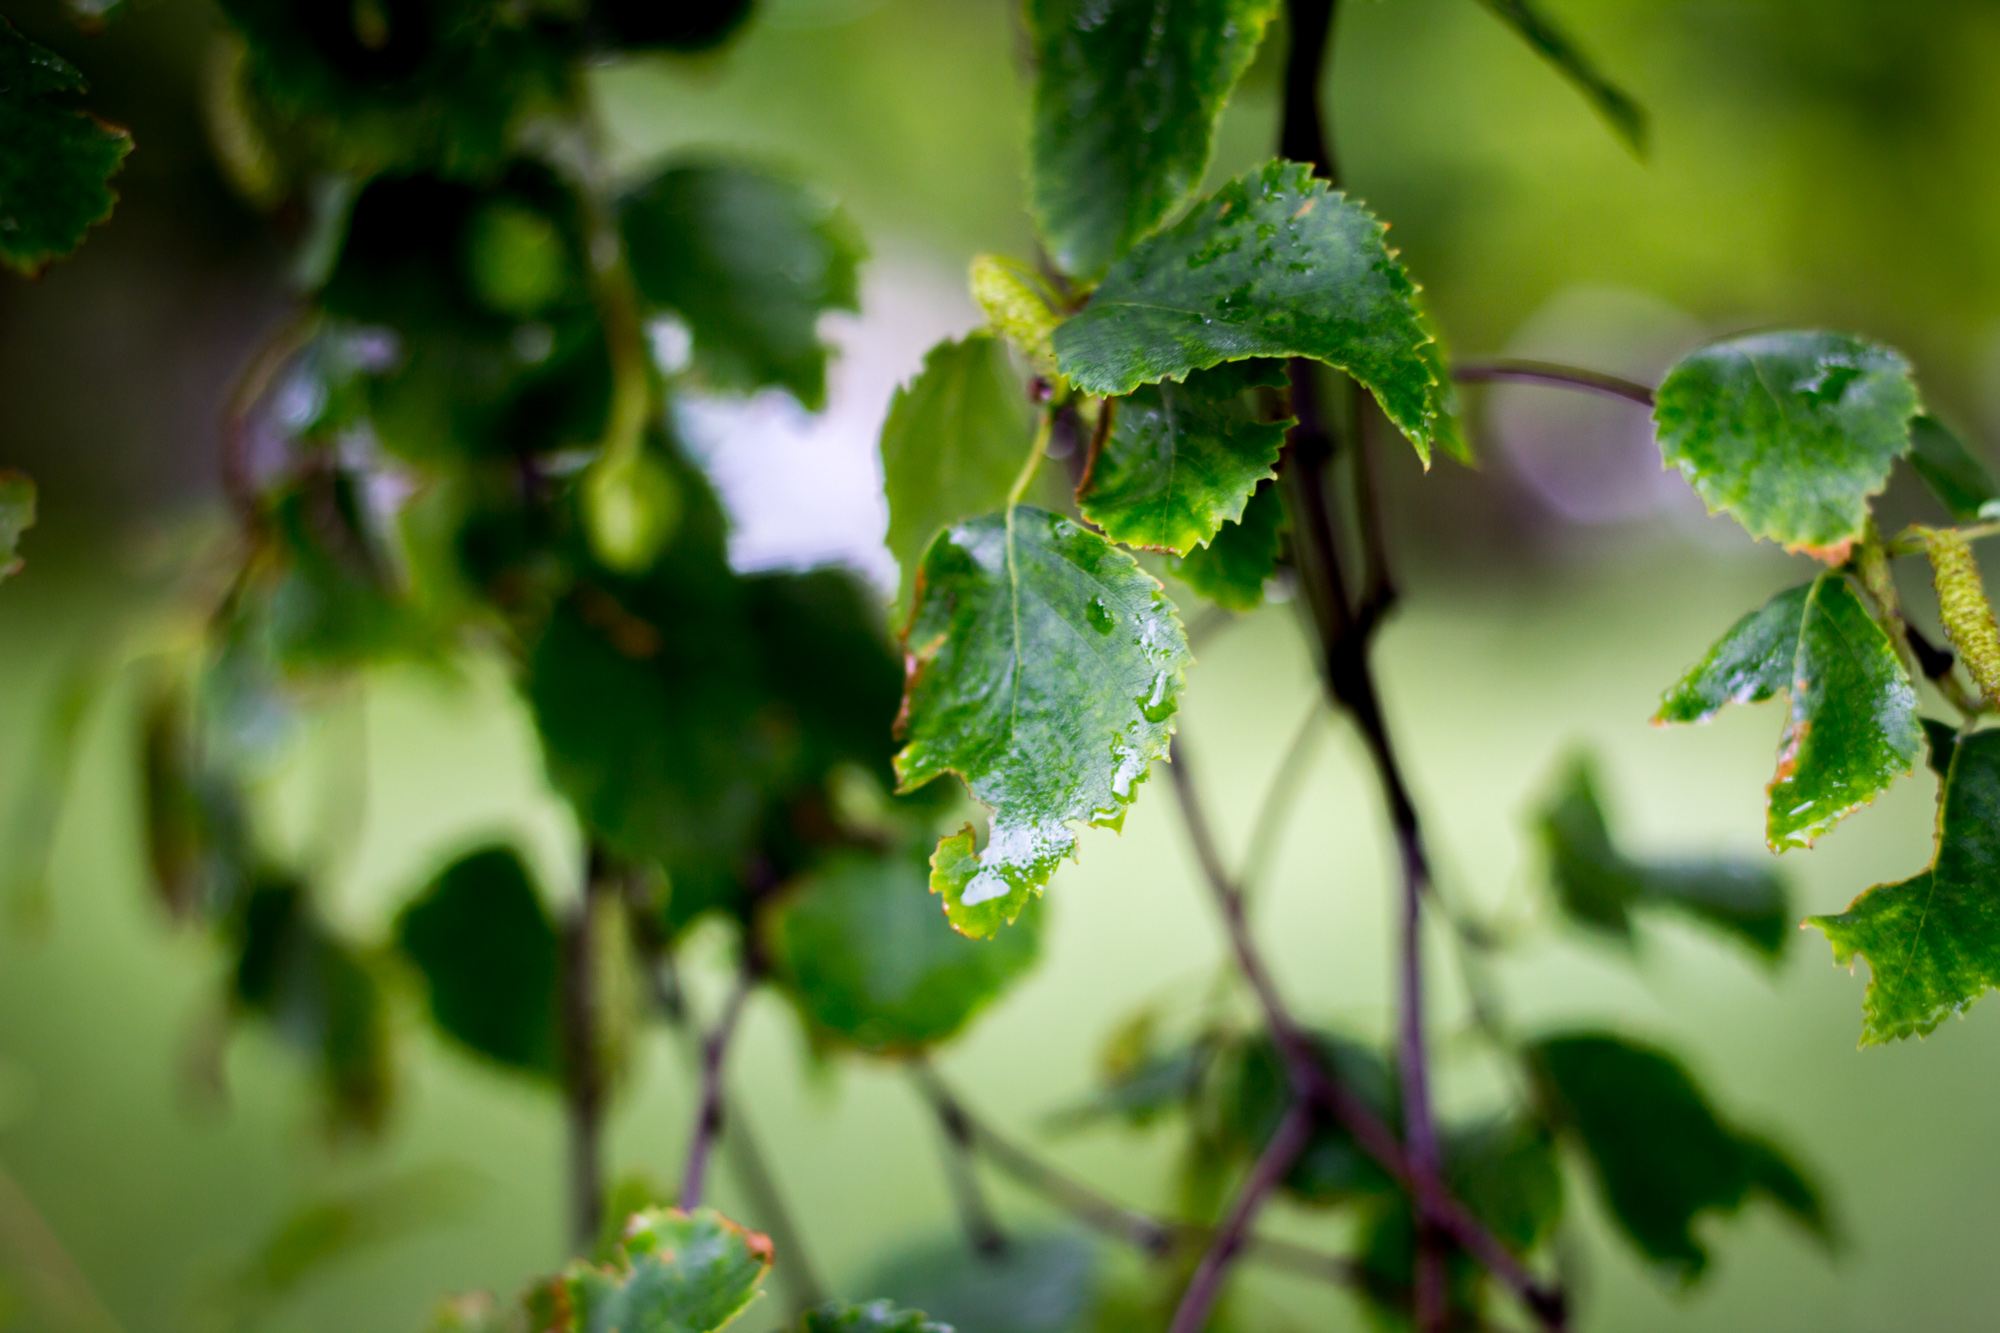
<point x="1962" y="605"/>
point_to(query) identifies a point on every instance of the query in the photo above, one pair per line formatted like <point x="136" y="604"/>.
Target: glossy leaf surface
<point x="869" y="1317"/>
<point x="1853" y="727"/>
<point x="1127" y="93"/>
<point x="1625" y="116"/>
<point x="1933" y="941"/>
<point x="871" y="959"/>
<point x="1661" y="1154"/>
<point x="1790" y="433"/>
<point x="1044" y="668"/>
<point x="954" y="439"/>
<point x="1240" y="559"/>
<point x="56" y="162"/>
<point x="674" y="1272"/>
<point x="1748" y="665"/>
<point x="17" y="515"/>
<point x="750" y="262"/>
<point x="1274" y="264"/>
<point x="1182" y="459"/>
<point x="1953" y="473"/>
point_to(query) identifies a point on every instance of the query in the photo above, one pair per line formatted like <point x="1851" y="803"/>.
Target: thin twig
<point x="982" y="1227"/>
<point x="1280" y="797"/>
<point x="708" y="1116"/>
<point x="583" y="1071"/>
<point x="1554" y="374"/>
<point x="1273" y="1164"/>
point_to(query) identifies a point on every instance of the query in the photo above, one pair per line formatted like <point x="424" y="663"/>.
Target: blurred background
<point x="1824" y="162"/>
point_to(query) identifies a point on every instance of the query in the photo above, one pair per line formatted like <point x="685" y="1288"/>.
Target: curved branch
<point x="1273" y="1165"/>
<point x="708" y="1119"/>
<point x="1553" y="374"/>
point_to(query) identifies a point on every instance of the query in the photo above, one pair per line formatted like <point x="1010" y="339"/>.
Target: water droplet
<point x="1099" y="615"/>
<point x="1157" y="707"/>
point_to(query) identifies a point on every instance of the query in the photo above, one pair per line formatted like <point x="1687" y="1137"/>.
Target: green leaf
<point x="1954" y="474"/>
<point x="1625" y="116"/>
<point x="1748" y="665"/>
<point x="686" y="25"/>
<point x="1274" y="264"/>
<point x="871" y="1317"/>
<point x="490" y="960"/>
<point x="1183" y="459"/>
<point x="1038" y="1284"/>
<point x="675" y="1272"/>
<point x="1853" y="727"/>
<point x="1789" y="432"/>
<point x="1933" y="941"/>
<point x="1255" y="1092"/>
<point x="56" y="162"/>
<point x="954" y="439"/>
<point x="17" y="515"/>
<point x="1044" y="667"/>
<point x="750" y="261"/>
<point x="1233" y="568"/>
<point x="1661" y="1154"/>
<point x="1127" y="94"/>
<point x="869" y="957"/>
<point x="1599" y="887"/>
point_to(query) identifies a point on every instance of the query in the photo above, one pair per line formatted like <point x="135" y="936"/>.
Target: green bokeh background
<point x="1812" y="163"/>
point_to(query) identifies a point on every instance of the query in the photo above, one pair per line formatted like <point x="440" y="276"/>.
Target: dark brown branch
<point x="583" y="1069"/>
<point x="1550" y="373"/>
<point x="1273" y="1164"/>
<point x="1303" y="136"/>
<point x="708" y="1116"/>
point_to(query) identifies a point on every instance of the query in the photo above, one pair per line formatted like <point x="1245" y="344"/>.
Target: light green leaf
<point x="674" y="1272"/>
<point x="1954" y="474"/>
<point x="870" y="958"/>
<point x="56" y="162"/>
<point x="17" y="515"/>
<point x="1599" y="886"/>
<point x="1127" y="93"/>
<point x="1933" y="941"/>
<point x="1183" y="459"/>
<point x="1045" y="666"/>
<point x="1274" y="264"/>
<point x="870" y="1317"/>
<point x="1233" y="568"/>
<point x="1789" y="432"/>
<point x="1625" y="116"/>
<point x="1748" y="665"/>
<point x="953" y="442"/>
<point x="751" y="262"/>
<point x="1853" y="723"/>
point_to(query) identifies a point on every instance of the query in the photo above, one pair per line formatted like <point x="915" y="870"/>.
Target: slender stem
<point x="1378" y="584"/>
<point x="1910" y="541"/>
<point x="583" y="1070"/>
<point x="1302" y="136"/>
<point x="1273" y="1164"/>
<point x="708" y="1116"/>
<point x="982" y="1228"/>
<point x="1552" y="373"/>
<point x="1280" y="797"/>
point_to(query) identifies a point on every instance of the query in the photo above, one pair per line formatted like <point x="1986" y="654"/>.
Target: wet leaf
<point x="1044" y="668"/>
<point x="1625" y="116"/>
<point x="1183" y="459"/>
<point x="1933" y="941"/>
<point x="1788" y="432"/>
<point x="750" y="262"/>
<point x="869" y="1317"/>
<point x="1127" y="94"/>
<point x="1242" y="557"/>
<point x="1954" y="474"/>
<point x="1748" y="665"/>
<point x="1274" y="264"/>
<point x="674" y="1272"/>
<point x="56" y="162"/>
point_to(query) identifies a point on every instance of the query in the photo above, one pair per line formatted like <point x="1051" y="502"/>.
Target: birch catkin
<point x="1962" y="605"/>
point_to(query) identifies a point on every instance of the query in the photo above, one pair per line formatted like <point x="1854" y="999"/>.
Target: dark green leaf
<point x="828" y="664"/>
<point x="1127" y="93"/>
<point x="1183" y="459"/>
<point x="56" y="162"/>
<point x="1274" y="264"/>
<point x="17" y="515"/>
<point x="1958" y="479"/>
<point x="955" y="438"/>
<point x="1661" y="1154"/>
<point x="683" y="25"/>
<point x="327" y="599"/>
<point x="1789" y="432"/>
<point x="1933" y="941"/>
<point x="489" y="958"/>
<point x="750" y="262"/>
<point x="1038" y="1284"/>
<point x="675" y="1273"/>
<point x="870" y="958"/>
<point x="1625" y="116"/>
<point x="1600" y="887"/>
<point x="1233" y="568"/>
<point x="1254" y="1093"/>
<point x="872" y="1317"/>
<point x="1748" y="665"/>
<point x="1044" y="667"/>
<point x="197" y="843"/>
<point x="1852" y="729"/>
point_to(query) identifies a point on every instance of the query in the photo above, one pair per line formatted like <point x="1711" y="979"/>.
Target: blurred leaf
<point x="1626" y="117"/>
<point x="1940" y="741"/>
<point x="1044" y="668"/>
<point x="1274" y="264"/>
<point x="1959" y="480"/>
<point x="954" y="439"/>
<point x="868" y="956"/>
<point x="475" y="1312"/>
<point x="682" y="25"/>
<point x="1254" y="1092"/>
<point x="872" y="1317"/>
<point x="326" y="599"/>
<point x="1599" y="886"/>
<point x="17" y="515"/>
<point x="56" y="162"/>
<point x="1038" y="1284"/>
<point x="1748" y="665"/>
<point x="197" y="841"/>
<point x="1019" y="306"/>
<point x="1127" y="94"/>
<point x="1933" y="941"/>
<point x="1183" y="459"/>
<point x="1853" y="723"/>
<point x="489" y="958"/>
<point x="1789" y="432"/>
<point x="1241" y="558"/>
<point x="675" y="1272"/>
<point x="1661" y="1155"/>
<point x="751" y="262"/>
